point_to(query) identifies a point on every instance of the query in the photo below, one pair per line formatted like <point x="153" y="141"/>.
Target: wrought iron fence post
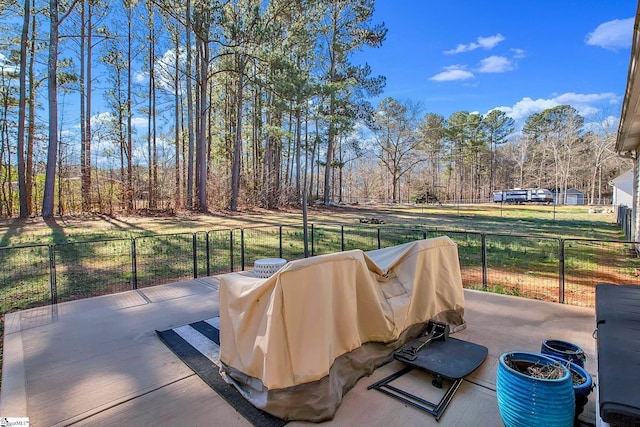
<point x="194" y="242"/>
<point x="231" y="250"/>
<point x="312" y="240"/>
<point x="53" y="286"/>
<point x="280" y="237"/>
<point x="379" y="240"/>
<point x="208" y="255"/>
<point x="342" y="238"/>
<point x="242" y="248"/>
<point x="484" y="261"/>
<point x="134" y="265"/>
<point x="561" y="271"/>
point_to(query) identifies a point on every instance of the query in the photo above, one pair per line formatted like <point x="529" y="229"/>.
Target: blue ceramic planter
<point x="581" y="391"/>
<point x="565" y="350"/>
<point x="525" y="401"/>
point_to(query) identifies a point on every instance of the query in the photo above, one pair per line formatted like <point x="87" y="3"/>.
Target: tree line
<point x="467" y="156"/>
<point x="192" y="104"/>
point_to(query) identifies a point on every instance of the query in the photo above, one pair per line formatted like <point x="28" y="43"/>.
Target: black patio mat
<point x="197" y="345"/>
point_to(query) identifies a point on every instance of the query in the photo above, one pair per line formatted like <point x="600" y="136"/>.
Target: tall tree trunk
<point x="332" y="105"/>
<point x="237" y="144"/>
<point x="201" y="147"/>
<point x="83" y="106"/>
<point x="190" y="116"/>
<point x="149" y="137"/>
<point x="210" y="121"/>
<point x="22" y="106"/>
<point x="151" y="114"/>
<point x="129" y="151"/>
<point x="196" y="116"/>
<point x="340" y="166"/>
<point x="267" y="155"/>
<point x="330" y="146"/>
<point x="288" y="173"/>
<point x="594" y="178"/>
<point x="123" y="147"/>
<point x="60" y="183"/>
<point x="184" y="144"/>
<point x="257" y="146"/>
<point x="154" y="200"/>
<point x="176" y="82"/>
<point x="298" y="151"/>
<point x="52" y="90"/>
<point x="304" y="201"/>
<point x="85" y="103"/>
<point x="276" y="168"/>
<point x="32" y="118"/>
<point x="314" y="148"/>
<point x="86" y="177"/>
<point x="5" y="151"/>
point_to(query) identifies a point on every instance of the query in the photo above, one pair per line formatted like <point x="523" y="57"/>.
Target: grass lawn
<point x="560" y="221"/>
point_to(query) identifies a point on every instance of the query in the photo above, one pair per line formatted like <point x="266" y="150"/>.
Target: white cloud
<point x="612" y="35"/>
<point x="482" y="42"/>
<point x="139" y="122"/>
<point x="495" y="64"/>
<point x="610" y="122"/>
<point x="608" y="125"/>
<point x="140" y="77"/>
<point x="166" y="68"/>
<point x="519" y="53"/>
<point x="164" y="147"/>
<point x="491" y="41"/>
<point x="108" y="118"/>
<point x="102" y="118"/>
<point x="6" y="67"/>
<point x="586" y="104"/>
<point x="527" y="106"/>
<point x="453" y="73"/>
<point x="579" y="98"/>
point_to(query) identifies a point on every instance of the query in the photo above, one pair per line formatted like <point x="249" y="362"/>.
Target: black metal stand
<point x="435" y="409"/>
<point x="450" y="359"/>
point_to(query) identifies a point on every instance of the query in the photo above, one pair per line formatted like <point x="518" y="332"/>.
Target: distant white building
<point x="623" y="189"/>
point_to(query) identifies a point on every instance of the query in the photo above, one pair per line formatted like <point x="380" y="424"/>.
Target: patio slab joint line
<point x="143" y="296"/>
<point x="107" y="406"/>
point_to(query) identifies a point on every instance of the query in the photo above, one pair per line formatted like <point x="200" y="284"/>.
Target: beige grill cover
<point x="290" y="328"/>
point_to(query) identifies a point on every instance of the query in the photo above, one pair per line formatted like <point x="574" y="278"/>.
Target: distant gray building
<point x="574" y="197"/>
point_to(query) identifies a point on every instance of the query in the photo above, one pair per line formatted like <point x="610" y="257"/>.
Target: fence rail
<point x="541" y="267"/>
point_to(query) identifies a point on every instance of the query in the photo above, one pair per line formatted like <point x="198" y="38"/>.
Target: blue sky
<point x="519" y="56"/>
<point x="472" y="55"/>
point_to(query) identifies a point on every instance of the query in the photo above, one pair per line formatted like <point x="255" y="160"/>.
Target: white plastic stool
<point x="267" y="267"/>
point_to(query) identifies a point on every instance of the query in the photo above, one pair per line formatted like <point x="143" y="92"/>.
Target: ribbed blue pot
<point x="564" y="349"/>
<point x="581" y="390"/>
<point x="525" y="401"/>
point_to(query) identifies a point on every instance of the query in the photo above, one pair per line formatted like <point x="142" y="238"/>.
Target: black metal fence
<point x="547" y="268"/>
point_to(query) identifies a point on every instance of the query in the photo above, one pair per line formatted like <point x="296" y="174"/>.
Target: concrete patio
<point x="99" y="362"/>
